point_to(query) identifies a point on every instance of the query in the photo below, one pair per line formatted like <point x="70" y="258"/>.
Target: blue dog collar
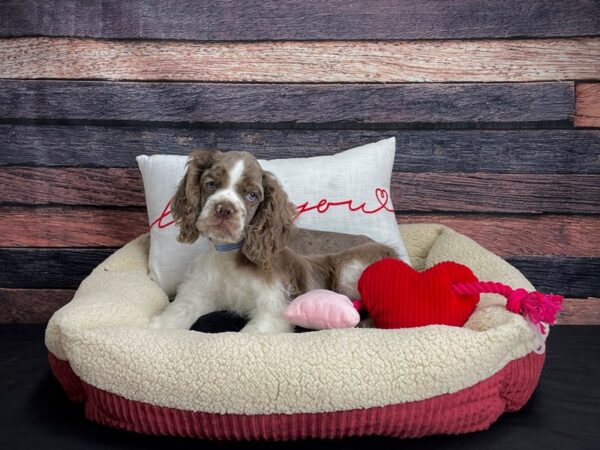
<point x="228" y="247"/>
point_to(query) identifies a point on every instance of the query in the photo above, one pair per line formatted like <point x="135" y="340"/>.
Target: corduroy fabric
<point x="471" y="409"/>
<point x="70" y="382"/>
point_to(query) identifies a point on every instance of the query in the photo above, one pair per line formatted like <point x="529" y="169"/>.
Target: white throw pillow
<point x="348" y="193"/>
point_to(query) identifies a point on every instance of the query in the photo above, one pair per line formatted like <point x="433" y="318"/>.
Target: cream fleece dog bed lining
<point x="101" y="338"/>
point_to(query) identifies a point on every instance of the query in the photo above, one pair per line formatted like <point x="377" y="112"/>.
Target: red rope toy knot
<point x="534" y="306"/>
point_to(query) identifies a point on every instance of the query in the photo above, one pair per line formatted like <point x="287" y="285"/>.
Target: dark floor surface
<point x="564" y="412"/>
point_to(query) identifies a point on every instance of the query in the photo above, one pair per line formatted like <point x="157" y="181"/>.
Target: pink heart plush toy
<point x="321" y="309"/>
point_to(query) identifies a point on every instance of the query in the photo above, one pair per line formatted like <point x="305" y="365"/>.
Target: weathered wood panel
<point x="523" y="235"/>
<point x="38" y="305"/>
<point x="461" y="192"/>
<point x="299" y="19"/>
<point x="580" y="311"/>
<point x="287" y="103"/>
<point x="478" y="192"/>
<point x="48" y="268"/>
<point x="99" y="227"/>
<point x="568" y="276"/>
<point x="65" y="268"/>
<point x="71" y="186"/>
<point x="525" y="151"/>
<point x="31" y="305"/>
<point x="301" y="62"/>
<point x="587" y="105"/>
<point x="70" y="227"/>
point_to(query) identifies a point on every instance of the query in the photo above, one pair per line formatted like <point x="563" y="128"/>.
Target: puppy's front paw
<point x="156" y="322"/>
<point x="268" y="326"/>
<point x="250" y="328"/>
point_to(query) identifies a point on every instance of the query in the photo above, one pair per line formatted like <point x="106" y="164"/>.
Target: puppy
<point x="249" y="268"/>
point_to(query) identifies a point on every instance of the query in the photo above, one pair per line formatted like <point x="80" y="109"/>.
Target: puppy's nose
<point x="224" y="210"/>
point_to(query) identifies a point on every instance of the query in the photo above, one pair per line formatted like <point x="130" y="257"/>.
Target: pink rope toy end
<point x="535" y="306"/>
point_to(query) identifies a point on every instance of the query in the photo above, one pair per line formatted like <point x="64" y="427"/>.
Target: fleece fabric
<point x="103" y="334"/>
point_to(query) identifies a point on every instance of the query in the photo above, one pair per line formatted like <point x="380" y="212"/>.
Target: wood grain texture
<point x="31" y="305"/>
<point x="38" y="305"/>
<point x="486" y="192"/>
<point x="451" y="192"/>
<point x="299" y="19"/>
<point x="48" y="268"/>
<point x="71" y="186"/>
<point x="562" y="151"/>
<point x="66" y="268"/>
<point x="70" y="227"/>
<point x="302" y="62"/>
<point x="580" y="311"/>
<point x="286" y="103"/>
<point x="523" y="235"/>
<point x="587" y="105"/>
<point x="99" y="227"/>
<point x="564" y="275"/>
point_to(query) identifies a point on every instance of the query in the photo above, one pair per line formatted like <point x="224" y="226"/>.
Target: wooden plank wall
<point x="495" y="107"/>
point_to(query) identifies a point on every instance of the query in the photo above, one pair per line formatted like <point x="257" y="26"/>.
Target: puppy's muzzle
<point x="224" y="210"/>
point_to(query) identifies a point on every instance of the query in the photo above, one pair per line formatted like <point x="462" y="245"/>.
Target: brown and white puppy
<point x="249" y="269"/>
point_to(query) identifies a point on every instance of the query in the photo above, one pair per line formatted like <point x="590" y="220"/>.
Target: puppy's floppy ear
<point x="271" y="226"/>
<point x="186" y="206"/>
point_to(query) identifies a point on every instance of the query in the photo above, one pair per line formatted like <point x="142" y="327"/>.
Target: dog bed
<point x="325" y="384"/>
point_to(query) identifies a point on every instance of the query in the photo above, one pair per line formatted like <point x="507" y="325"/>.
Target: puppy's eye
<point x="251" y="197"/>
<point x="210" y="185"/>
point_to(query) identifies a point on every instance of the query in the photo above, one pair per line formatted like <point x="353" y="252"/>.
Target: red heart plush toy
<point x="398" y="296"/>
